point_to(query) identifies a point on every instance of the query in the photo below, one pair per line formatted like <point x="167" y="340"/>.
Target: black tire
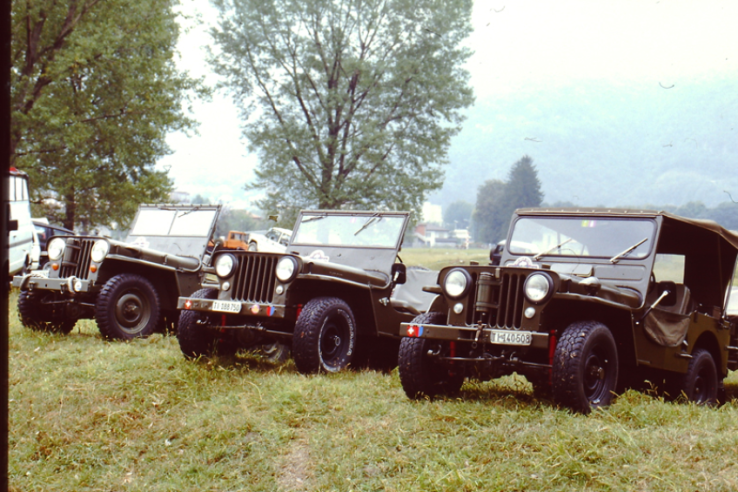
<point x="37" y="315"/>
<point x="253" y="247"/>
<point x="196" y="340"/>
<point x="422" y="375"/>
<point x="325" y="336"/>
<point x="700" y="384"/>
<point x="585" y="368"/>
<point x="127" y="308"/>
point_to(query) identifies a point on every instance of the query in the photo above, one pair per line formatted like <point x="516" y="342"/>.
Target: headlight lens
<point x="456" y="283"/>
<point x="537" y="287"/>
<point x="224" y="265"/>
<point x="56" y="248"/>
<point x="286" y="269"/>
<point x="99" y="251"/>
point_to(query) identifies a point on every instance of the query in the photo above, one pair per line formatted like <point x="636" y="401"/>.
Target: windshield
<point x="615" y="239"/>
<point x="179" y="223"/>
<point x="371" y="231"/>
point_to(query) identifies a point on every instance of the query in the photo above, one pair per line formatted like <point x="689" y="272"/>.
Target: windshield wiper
<point x="314" y="217"/>
<point x="367" y="224"/>
<point x="538" y="256"/>
<point x="618" y="256"/>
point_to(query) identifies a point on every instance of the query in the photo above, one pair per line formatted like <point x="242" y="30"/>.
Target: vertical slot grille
<point x="511" y="301"/>
<point x="77" y="258"/>
<point x="255" y="278"/>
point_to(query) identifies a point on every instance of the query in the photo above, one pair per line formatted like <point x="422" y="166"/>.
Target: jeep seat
<point x="410" y="296"/>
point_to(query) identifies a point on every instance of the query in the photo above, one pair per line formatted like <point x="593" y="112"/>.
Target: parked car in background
<point x="130" y="288"/>
<point x="584" y="303"/>
<point x="337" y="298"/>
<point x="23" y="247"/>
<point x="275" y="240"/>
<point x="45" y="232"/>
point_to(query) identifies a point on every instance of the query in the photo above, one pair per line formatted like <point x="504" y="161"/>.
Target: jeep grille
<point x="77" y="258"/>
<point x="503" y="302"/>
<point x="255" y="278"/>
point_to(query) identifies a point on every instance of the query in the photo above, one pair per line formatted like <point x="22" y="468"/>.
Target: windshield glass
<point x="371" y="231"/>
<point x="179" y="223"/>
<point x="602" y="238"/>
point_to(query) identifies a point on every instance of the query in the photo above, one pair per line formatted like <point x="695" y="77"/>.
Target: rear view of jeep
<point x="584" y="303"/>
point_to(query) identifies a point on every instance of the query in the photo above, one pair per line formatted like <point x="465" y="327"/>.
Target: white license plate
<point x="227" y="306"/>
<point x="505" y="337"/>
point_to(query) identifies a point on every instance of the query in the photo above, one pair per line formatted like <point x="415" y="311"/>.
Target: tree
<point x="458" y="214"/>
<point x="94" y="91"/>
<point x="349" y="104"/>
<point x="497" y="200"/>
<point x="488" y="220"/>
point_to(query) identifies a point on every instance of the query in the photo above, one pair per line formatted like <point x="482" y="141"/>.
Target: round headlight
<point x="224" y="265"/>
<point x="286" y="269"/>
<point x="99" y="250"/>
<point x="537" y="287"/>
<point x="456" y="283"/>
<point x="56" y="248"/>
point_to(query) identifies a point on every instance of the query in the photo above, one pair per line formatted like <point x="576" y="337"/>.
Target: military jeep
<point x="130" y="288"/>
<point x="337" y="297"/>
<point x="584" y="303"/>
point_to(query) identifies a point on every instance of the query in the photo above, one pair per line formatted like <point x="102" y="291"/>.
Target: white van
<point x="23" y="246"/>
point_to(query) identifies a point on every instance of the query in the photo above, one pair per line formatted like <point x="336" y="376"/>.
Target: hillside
<point x="602" y="143"/>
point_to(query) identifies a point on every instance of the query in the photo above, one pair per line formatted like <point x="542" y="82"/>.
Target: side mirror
<point x="671" y="297"/>
<point x="399" y="273"/>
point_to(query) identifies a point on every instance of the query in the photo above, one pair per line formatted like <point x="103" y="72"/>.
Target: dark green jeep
<point x="584" y="303"/>
<point x="336" y="297"/>
<point x="130" y="288"/>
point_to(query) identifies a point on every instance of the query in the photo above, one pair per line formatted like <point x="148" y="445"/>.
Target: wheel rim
<point x="333" y="341"/>
<point x="596" y="377"/>
<point x="132" y="312"/>
<point x="702" y="385"/>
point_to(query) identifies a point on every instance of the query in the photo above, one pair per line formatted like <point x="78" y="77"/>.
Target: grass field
<point x="86" y="414"/>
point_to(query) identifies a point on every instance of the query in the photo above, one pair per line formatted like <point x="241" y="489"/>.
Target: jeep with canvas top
<point x="336" y="297"/>
<point x="584" y="303"/>
<point x="129" y="287"/>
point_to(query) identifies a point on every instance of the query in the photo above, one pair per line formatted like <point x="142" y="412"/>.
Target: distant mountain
<point x="605" y="144"/>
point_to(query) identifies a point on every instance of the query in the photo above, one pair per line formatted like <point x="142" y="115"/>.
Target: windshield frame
<point x="618" y="247"/>
<point x="350" y="229"/>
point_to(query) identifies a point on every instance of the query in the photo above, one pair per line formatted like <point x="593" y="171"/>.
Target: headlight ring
<point x="56" y="248"/>
<point x="286" y="270"/>
<point x="225" y="265"/>
<point x="99" y="250"/>
<point x="457" y="283"/>
<point x="538" y="288"/>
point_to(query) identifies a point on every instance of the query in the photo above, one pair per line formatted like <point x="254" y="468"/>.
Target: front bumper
<point x="249" y="309"/>
<point x="39" y="280"/>
<point x="467" y="334"/>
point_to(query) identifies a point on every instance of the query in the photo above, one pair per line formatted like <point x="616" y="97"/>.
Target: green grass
<point x="437" y="258"/>
<point x="86" y="414"/>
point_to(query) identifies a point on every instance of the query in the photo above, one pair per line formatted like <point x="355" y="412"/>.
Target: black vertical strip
<point x="4" y="205"/>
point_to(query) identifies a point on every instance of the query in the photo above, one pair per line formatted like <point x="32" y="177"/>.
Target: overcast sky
<point x="518" y="44"/>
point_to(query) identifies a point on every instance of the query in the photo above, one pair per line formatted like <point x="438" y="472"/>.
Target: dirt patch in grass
<point x="296" y="468"/>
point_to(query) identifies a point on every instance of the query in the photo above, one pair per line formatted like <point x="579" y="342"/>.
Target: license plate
<point x="227" y="306"/>
<point x="506" y="337"/>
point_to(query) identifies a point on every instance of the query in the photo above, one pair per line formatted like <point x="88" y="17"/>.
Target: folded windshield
<point x="612" y="238"/>
<point x="377" y="231"/>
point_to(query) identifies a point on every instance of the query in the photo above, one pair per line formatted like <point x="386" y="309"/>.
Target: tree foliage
<point x="94" y="91"/>
<point x="458" y="214"/>
<point x="497" y="200"/>
<point x="349" y="104"/>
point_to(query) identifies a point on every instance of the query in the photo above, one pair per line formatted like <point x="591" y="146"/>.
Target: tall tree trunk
<point x="70" y="208"/>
